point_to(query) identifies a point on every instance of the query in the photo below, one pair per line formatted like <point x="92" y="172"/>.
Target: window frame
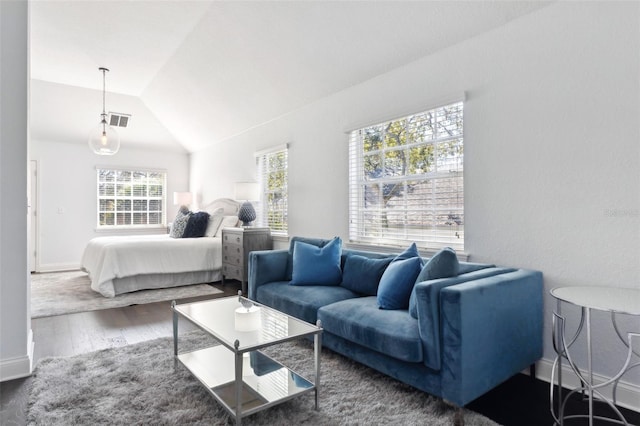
<point x="132" y="198"/>
<point x="369" y="225"/>
<point x="265" y="213"/>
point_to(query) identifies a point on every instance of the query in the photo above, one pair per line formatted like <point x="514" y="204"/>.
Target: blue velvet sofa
<point x="472" y="332"/>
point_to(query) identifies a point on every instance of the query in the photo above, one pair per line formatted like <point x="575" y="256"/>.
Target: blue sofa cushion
<point x="318" y="242"/>
<point x="362" y="274"/>
<point x="314" y="265"/>
<point x="443" y="264"/>
<point x="359" y="320"/>
<point x="411" y="251"/>
<point x="302" y="302"/>
<point x="398" y="279"/>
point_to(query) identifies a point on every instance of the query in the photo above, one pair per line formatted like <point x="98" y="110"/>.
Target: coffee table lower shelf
<point x="265" y="382"/>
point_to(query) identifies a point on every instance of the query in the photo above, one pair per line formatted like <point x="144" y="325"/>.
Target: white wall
<point x="16" y="347"/>
<point x="552" y="158"/>
<point x="68" y="113"/>
<point x="67" y="194"/>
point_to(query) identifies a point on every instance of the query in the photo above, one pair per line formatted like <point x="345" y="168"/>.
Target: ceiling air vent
<point x="119" y="120"/>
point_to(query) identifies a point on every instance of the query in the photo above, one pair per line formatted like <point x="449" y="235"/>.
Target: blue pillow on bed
<point x="196" y="225"/>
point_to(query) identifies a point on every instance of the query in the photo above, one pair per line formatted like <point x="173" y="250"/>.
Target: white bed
<point x="122" y="264"/>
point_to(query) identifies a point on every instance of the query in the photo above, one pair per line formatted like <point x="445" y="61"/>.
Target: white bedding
<point x="109" y="258"/>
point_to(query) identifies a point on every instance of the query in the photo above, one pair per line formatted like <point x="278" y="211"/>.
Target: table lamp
<point x="247" y="191"/>
<point x="182" y="198"/>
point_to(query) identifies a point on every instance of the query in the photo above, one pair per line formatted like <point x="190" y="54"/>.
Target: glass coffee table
<point x="238" y="375"/>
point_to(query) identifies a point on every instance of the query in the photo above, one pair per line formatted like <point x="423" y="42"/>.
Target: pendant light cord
<point x="104" y="90"/>
<point x="105" y="140"/>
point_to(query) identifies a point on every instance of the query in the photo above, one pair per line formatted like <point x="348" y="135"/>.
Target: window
<point x="272" y="172"/>
<point x="406" y="180"/>
<point x="131" y="198"/>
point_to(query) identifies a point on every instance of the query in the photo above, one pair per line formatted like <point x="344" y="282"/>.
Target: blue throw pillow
<point x="318" y="242"/>
<point x="314" y="265"/>
<point x="197" y="225"/>
<point x="362" y="274"/>
<point x="398" y="279"/>
<point x="443" y="264"/>
<point x="411" y="251"/>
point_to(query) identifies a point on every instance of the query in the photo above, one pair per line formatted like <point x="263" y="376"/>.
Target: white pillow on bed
<point x="215" y="219"/>
<point x="227" y="221"/>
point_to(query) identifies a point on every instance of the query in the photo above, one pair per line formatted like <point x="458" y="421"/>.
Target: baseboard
<point x="16" y="368"/>
<point x="58" y="267"/>
<point x="628" y="394"/>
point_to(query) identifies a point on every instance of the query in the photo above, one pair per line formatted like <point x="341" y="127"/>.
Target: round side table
<point x="608" y="299"/>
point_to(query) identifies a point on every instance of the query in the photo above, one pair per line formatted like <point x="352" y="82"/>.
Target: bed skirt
<point x="153" y="281"/>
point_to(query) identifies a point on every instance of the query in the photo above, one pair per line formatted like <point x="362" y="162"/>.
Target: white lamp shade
<point x="182" y="198"/>
<point x="247" y="191"/>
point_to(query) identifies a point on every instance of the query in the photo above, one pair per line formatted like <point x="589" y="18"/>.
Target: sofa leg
<point x="458" y="417"/>
<point x="532" y="372"/>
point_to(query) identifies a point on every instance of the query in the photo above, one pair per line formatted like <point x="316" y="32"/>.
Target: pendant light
<point x="104" y="140"/>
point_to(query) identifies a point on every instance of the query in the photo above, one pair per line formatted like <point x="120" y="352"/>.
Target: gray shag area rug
<point x="141" y="384"/>
<point x="59" y="293"/>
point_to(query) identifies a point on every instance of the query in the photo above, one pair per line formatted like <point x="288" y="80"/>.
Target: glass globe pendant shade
<point x="104" y="140"/>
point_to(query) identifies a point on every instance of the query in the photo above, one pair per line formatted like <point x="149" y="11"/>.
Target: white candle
<point x="248" y="319"/>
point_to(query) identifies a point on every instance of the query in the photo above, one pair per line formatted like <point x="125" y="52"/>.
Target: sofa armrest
<point x="266" y="266"/>
<point x="428" y="309"/>
<point x="492" y="328"/>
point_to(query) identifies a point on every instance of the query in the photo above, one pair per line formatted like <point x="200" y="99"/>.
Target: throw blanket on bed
<point x="106" y="258"/>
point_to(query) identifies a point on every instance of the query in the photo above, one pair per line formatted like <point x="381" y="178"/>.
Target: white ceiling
<point x="70" y="40"/>
<point x="210" y="69"/>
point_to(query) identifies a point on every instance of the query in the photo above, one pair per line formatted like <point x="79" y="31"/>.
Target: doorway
<point x="32" y="222"/>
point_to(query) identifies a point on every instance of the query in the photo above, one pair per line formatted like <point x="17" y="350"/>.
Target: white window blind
<point x="273" y="177"/>
<point x="406" y="180"/>
<point x="131" y="198"/>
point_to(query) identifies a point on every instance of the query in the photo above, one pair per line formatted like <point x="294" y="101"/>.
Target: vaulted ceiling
<point x="195" y="73"/>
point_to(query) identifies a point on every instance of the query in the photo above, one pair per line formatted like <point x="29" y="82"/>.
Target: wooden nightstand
<point x="237" y="243"/>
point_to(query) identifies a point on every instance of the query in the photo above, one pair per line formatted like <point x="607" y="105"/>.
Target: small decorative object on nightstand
<point x="247" y="213"/>
<point x="247" y="191"/>
<point x="237" y="243"/>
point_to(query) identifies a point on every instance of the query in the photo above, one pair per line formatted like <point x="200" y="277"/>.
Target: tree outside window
<point x="406" y="180"/>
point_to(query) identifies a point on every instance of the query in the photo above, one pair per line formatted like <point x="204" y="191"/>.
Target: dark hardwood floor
<point x="520" y="401"/>
<point x="72" y="334"/>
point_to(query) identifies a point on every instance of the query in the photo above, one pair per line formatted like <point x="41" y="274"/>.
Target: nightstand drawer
<point x="237" y="243"/>
<point x="232" y="258"/>
<point x="233" y="272"/>
<point x="232" y="238"/>
<point x="231" y="251"/>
